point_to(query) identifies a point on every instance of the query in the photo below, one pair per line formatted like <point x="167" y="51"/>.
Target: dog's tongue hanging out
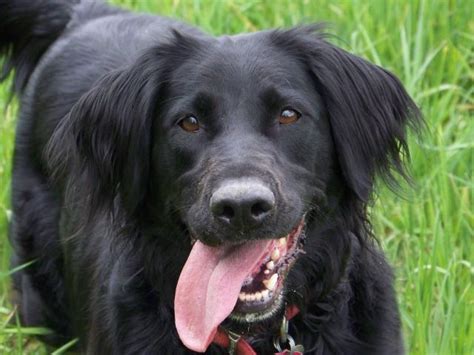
<point x="209" y="286"/>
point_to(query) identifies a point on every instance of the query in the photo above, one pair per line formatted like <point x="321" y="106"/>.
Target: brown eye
<point x="288" y="116"/>
<point x="189" y="124"/>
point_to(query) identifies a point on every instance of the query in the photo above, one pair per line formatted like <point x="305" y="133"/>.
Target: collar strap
<point x="238" y="346"/>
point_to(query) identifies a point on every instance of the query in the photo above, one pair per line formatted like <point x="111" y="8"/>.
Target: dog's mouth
<point x="260" y="295"/>
<point x="243" y="283"/>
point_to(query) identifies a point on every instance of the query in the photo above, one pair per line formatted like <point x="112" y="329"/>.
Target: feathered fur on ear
<point x="106" y="139"/>
<point x="368" y="108"/>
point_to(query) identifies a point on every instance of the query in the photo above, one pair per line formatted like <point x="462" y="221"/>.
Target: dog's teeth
<point x="265" y="294"/>
<point x="275" y="255"/>
<point x="252" y="297"/>
<point x="248" y="297"/>
<point x="271" y="282"/>
<point x="282" y="242"/>
<point x="267" y="272"/>
<point x="247" y="281"/>
<point x="270" y="265"/>
<point x="258" y="296"/>
<point x="242" y="296"/>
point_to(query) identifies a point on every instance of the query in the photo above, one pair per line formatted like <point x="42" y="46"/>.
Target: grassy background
<point x="427" y="234"/>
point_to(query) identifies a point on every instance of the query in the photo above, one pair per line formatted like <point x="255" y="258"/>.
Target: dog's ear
<point x="368" y="109"/>
<point x="105" y="142"/>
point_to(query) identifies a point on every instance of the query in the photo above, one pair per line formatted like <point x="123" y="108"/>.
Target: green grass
<point x="428" y="234"/>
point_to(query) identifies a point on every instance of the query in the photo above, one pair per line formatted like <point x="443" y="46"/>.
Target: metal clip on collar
<point x="285" y="338"/>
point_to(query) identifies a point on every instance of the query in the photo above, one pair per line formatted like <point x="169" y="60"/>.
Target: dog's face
<point x="244" y="136"/>
<point x="251" y="139"/>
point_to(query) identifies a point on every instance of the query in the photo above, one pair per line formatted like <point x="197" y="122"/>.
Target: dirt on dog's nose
<point x="242" y="203"/>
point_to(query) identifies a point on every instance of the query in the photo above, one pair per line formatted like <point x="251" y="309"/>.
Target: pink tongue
<point x="209" y="286"/>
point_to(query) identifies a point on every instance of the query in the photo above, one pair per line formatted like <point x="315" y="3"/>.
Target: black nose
<point x="242" y="203"/>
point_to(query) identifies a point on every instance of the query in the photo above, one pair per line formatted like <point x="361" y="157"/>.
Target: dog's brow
<point x="204" y="102"/>
<point x="271" y="96"/>
<point x="278" y="97"/>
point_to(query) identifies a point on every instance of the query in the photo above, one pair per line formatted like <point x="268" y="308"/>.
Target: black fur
<point x="107" y="188"/>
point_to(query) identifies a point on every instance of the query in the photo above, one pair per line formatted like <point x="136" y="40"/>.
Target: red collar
<point x="243" y="348"/>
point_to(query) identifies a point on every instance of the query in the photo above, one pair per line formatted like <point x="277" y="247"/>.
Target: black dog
<point x="181" y="193"/>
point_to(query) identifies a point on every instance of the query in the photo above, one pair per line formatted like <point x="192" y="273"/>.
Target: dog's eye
<point x="288" y="116"/>
<point x="189" y="124"/>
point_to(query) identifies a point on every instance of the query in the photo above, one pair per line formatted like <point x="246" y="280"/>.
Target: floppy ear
<point x="368" y="110"/>
<point x="104" y="144"/>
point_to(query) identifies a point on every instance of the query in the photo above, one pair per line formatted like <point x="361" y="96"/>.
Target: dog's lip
<point x="194" y="236"/>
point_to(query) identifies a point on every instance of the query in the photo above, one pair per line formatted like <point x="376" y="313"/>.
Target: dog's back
<point x="58" y="49"/>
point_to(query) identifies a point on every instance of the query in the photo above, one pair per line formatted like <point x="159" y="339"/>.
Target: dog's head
<point x="250" y="140"/>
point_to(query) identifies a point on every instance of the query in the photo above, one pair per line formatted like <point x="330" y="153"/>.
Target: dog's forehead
<point x="245" y="62"/>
